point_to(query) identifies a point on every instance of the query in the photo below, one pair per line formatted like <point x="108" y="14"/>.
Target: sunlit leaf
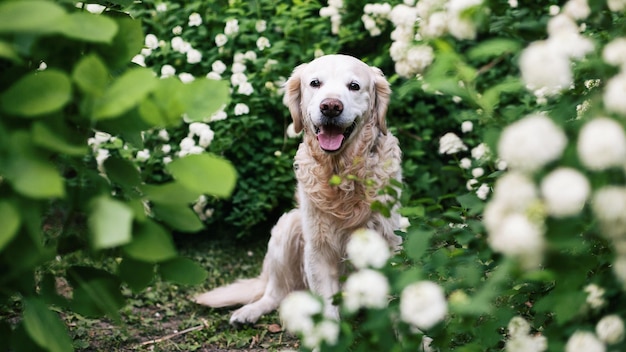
<point x="37" y="93"/>
<point x="30" y="16"/>
<point x="88" y="27"/>
<point x="91" y="75"/>
<point x="205" y="174"/>
<point x="204" y="97"/>
<point x="169" y="193"/>
<point x="126" y="92"/>
<point x="35" y="178"/>
<point x="110" y="222"/>
<point x="181" y="218"/>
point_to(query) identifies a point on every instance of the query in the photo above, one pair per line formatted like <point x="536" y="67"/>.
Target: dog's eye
<point x="354" y="86"/>
<point x="315" y="83"/>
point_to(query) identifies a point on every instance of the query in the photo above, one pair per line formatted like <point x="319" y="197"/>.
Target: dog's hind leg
<point x="282" y="268"/>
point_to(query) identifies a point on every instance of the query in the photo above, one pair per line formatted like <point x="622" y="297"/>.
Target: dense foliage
<point x="517" y="226"/>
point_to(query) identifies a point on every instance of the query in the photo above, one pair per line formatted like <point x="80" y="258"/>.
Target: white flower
<point x="478" y="172"/>
<point x="245" y="88"/>
<point x="218" y="66"/>
<point x="297" y="311"/>
<point x="450" y="143"/>
<point x="423" y="304"/>
<point x="544" y="68"/>
<point x="595" y="296"/>
<point x="513" y="3"/>
<point x="167" y="71"/>
<point x="241" y="109"/>
<point x="614" y="94"/>
<point x="218" y="116"/>
<point x="180" y="45"/>
<point x="166" y="148"/>
<point x="143" y="155"/>
<point x="238" y="67"/>
<point x="164" y="135"/>
<point x="515" y="191"/>
<point x="167" y="160"/>
<point x="221" y="40"/>
<point x="326" y="330"/>
<point x="177" y="30"/>
<point x="483" y="191"/>
<point x="101" y="137"/>
<point x="565" y="191"/>
<point x="263" y="43"/>
<point x="583" y="341"/>
<point x="101" y="156"/>
<point x="554" y="10"/>
<point x="139" y="60"/>
<point x="467" y="126"/>
<point x="260" y="26"/>
<point x="214" y="76"/>
<point x="367" y="248"/>
<point x="194" y="20"/>
<point x="609" y="206"/>
<point x="206" y="137"/>
<point x="527" y="343"/>
<point x="419" y="57"/>
<point x="186" y="77"/>
<point x="616" y="5"/>
<point x="577" y="9"/>
<point x="238" y="78"/>
<point x="435" y="26"/>
<point x="250" y="55"/>
<point x="531" y="143"/>
<point x="366" y="288"/>
<point x="602" y="144"/>
<point x="471" y="184"/>
<point x="151" y="41"/>
<point x="610" y="329"/>
<point x="465" y="163"/>
<point x="232" y="27"/>
<point x="614" y="53"/>
<point x="194" y="56"/>
<point x="162" y="7"/>
<point x="518" y="326"/>
<point x="518" y="237"/>
<point x="480" y="151"/>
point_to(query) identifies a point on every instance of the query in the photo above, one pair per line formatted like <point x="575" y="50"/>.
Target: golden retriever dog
<point x="340" y="103"/>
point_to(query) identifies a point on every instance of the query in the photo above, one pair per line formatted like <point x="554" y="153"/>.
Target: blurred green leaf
<point x="493" y="47"/>
<point x="417" y="242"/>
<point x="10" y="220"/>
<point x="57" y="138"/>
<point x="88" y="27"/>
<point x="30" y="16"/>
<point x="37" y="93"/>
<point x="182" y="271"/>
<point x="205" y="174"/>
<point x="7" y="51"/>
<point x="34" y="178"/>
<point x="45" y="327"/>
<point x="127" y="43"/>
<point x="91" y="75"/>
<point x="126" y="92"/>
<point x="151" y="243"/>
<point x="179" y="217"/>
<point x="204" y="97"/>
<point x="96" y="292"/>
<point x="110" y="222"/>
<point x="137" y="274"/>
<point x="169" y="193"/>
<point x="122" y="171"/>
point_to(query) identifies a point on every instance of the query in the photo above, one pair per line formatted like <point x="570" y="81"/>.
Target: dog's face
<point x="333" y="96"/>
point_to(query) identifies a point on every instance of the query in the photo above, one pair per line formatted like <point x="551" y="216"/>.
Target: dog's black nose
<point x="331" y="107"/>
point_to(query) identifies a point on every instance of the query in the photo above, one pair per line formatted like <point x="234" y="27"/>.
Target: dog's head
<point x="333" y="96"/>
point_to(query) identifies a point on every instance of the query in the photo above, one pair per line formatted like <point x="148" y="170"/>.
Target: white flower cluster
<point x="520" y="339"/>
<point x="301" y="313"/>
<point x="333" y="11"/>
<point x="423" y="304"/>
<point x="546" y="65"/>
<point x="374" y="17"/>
<point x="450" y="143"/>
<point x="584" y="341"/>
<point x="367" y="249"/>
<point x="197" y="131"/>
<point x="613" y="54"/>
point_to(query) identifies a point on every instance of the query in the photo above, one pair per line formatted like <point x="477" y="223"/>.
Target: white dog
<point x="340" y="103"/>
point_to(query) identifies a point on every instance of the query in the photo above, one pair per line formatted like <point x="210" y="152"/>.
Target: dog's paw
<point x="244" y="316"/>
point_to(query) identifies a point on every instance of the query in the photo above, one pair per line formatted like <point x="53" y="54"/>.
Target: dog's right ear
<point x="293" y="98"/>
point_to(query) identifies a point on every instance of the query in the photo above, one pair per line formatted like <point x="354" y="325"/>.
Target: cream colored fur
<point x="307" y="246"/>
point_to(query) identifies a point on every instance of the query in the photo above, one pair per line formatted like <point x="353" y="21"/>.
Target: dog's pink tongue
<point x="330" y="137"/>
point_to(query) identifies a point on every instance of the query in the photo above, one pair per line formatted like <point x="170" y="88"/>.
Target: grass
<point x="163" y="318"/>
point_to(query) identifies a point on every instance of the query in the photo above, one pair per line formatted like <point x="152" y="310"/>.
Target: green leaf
<point x="204" y="97"/>
<point x="204" y="174"/>
<point x="35" y="178"/>
<point x="127" y="43"/>
<point x="37" y="93"/>
<point x="179" y="217"/>
<point x="8" y="52"/>
<point x="166" y="105"/>
<point x="183" y="271"/>
<point x="57" y="138"/>
<point x="126" y="92"/>
<point x="96" y="292"/>
<point x="137" y="274"/>
<point x="10" y="220"/>
<point x="30" y="16"/>
<point x="91" y="75"/>
<point x="110" y="222"/>
<point x="417" y="243"/>
<point x="122" y="172"/>
<point x="169" y="193"/>
<point x="45" y="327"/>
<point x="89" y="27"/>
<point x="492" y="48"/>
<point x="471" y="202"/>
<point x="151" y="243"/>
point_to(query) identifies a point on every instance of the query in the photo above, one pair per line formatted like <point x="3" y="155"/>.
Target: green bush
<point x="67" y="88"/>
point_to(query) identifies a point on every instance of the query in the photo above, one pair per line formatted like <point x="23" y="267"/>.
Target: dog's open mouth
<point x="331" y="136"/>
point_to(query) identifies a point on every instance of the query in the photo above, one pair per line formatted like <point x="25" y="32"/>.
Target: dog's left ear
<point x="382" y="92"/>
<point x="293" y="98"/>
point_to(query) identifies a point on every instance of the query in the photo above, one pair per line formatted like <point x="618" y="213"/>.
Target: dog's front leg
<point x="322" y="273"/>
